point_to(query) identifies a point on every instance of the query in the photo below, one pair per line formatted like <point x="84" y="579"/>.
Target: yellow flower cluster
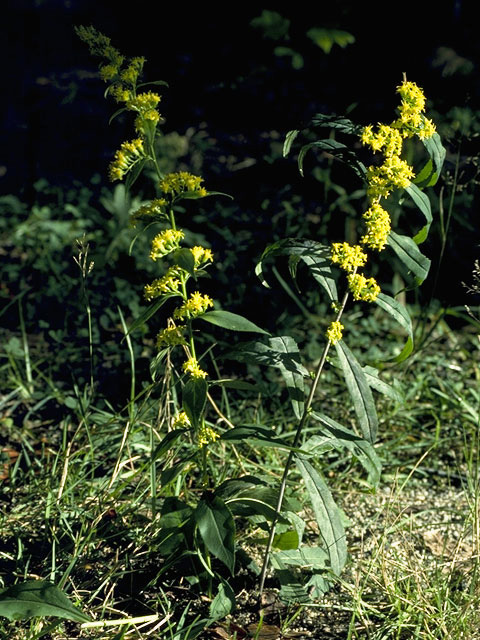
<point x="125" y="158"/>
<point x="181" y="420"/>
<point x="335" y="331"/>
<point x="363" y="288"/>
<point x="347" y="257"/>
<point x="194" y="306"/>
<point x="377" y="221"/>
<point x="151" y="211"/>
<point x="177" y="183"/>
<point x="165" y="242"/>
<point x="201" y="255"/>
<point x="169" y="283"/>
<point x="191" y="367"/>
<point x="171" y="337"/>
<point x="145" y="105"/>
<point x="206" y="435"/>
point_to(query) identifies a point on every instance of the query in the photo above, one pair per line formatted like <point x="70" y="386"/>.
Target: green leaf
<point x="280" y="352"/>
<point x="340" y="123"/>
<point x="289" y="138"/>
<point x="134" y="173"/>
<point x="327" y="515"/>
<point x="292" y="588"/>
<point x="287" y="540"/>
<point x="194" y="398"/>
<point x="437" y="152"/>
<point x="306" y="557"/>
<point x="149" y="312"/>
<point x="314" y="254"/>
<point x="231" y="321"/>
<point x="326" y="38"/>
<point x="339" y="437"/>
<point x="223" y="603"/>
<point x="411" y="256"/>
<point x="254" y="435"/>
<point x="117" y="113"/>
<point x="233" y="383"/>
<point x="359" y="390"/>
<point x="185" y="260"/>
<point x="167" y="443"/>
<point x="388" y="390"/>
<point x="38" y="598"/>
<point x="217" y="528"/>
<point x="169" y="475"/>
<point x="152" y="83"/>
<point x="401" y="315"/>
<point x="423" y="203"/>
<point x="338" y="150"/>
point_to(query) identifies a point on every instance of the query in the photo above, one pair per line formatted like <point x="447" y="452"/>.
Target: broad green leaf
<point x="280" y="352"/>
<point x="326" y="38"/>
<point x="388" y="390"/>
<point x="423" y="203"/>
<point x="339" y="437"/>
<point x="217" y="528"/>
<point x="340" y="123"/>
<point x="292" y="588"/>
<point x="287" y="540"/>
<point x="411" y="256"/>
<point x="194" y="398"/>
<point x="235" y="486"/>
<point x="167" y="443"/>
<point x="359" y="390"/>
<point x="169" y="475"/>
<point x="437" y="152"/>
<point x="254" y="500"/>
<point x="38" y="598"/>
<point x="184" y="258"/>
<point x="314" y="254"/>
<point x="401" y="315"/>
<point x="149" y="312"/>
<point x="232" y="321"/>
<point x="289" y="138"/>
<point x="255" y="435"/>
<point x="306" y="557"/>
<point x="338" y="150"/>
<point x="223" y="603"/>
<point x="327" y="515"/>
<point x="294" y="381"/>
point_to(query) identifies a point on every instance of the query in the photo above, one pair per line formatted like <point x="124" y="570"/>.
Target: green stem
<point x="301" y="425"/>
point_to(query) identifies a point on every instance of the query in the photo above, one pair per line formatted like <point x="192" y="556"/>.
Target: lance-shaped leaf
<point x="194" y="397"/>
<point x="289" y="138"/>
<point x="340" y="438"/>
<point x="231" y="321"/>
<point x="314" y="254"/>
<point x="401" y="315"/>
<point x="391" y="391"/>
<point x="338" y="150"/>
<point x="359" y="390"/>
<point x="340" y="123"/>
<point x="437" y="153"/>
<point x="327" y="515"/>
<point x="292" y="588"/>
<point x="38" y="598"/>
<point x="150" y="311"/>
<point x="411" y="256"/>
<point x="255" y="435"/>
<point x="423" y="203"/>
<point x="280" y="352"/>
<point x="217" y="528"/>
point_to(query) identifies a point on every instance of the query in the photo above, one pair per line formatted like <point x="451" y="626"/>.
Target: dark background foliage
<point x="237" y="85"/>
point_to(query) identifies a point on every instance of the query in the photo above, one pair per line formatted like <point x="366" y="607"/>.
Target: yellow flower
<point x="180" y="182"/>
<point x="363" y="288"/>
<point x="387" y="139"/>
<point x="206" y="435"/>
<point x="181" y="420"/>
<point x="171" y="337"/>
<point x="153" y="210"/>
<point x="334" y="332"/>
<point x="191" y="367"/>
<point x="201" y="255"/>
<point x="108" y="72"/>
<point x="347" y="256"/>
<point x="194" y="306"/>
<point x="125" y="158"/>
<point x="131" y="73"/>
<point x="169" y="283"/>
<point x="412" y="95"/>
<point x="377" y="221"/>
<point x="144" y="101"/>
<point x="165" y="242"/>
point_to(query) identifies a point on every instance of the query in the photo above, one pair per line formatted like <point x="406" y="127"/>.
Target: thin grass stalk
<point x="26" y="350"/>
<point x="298" y="433"/>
